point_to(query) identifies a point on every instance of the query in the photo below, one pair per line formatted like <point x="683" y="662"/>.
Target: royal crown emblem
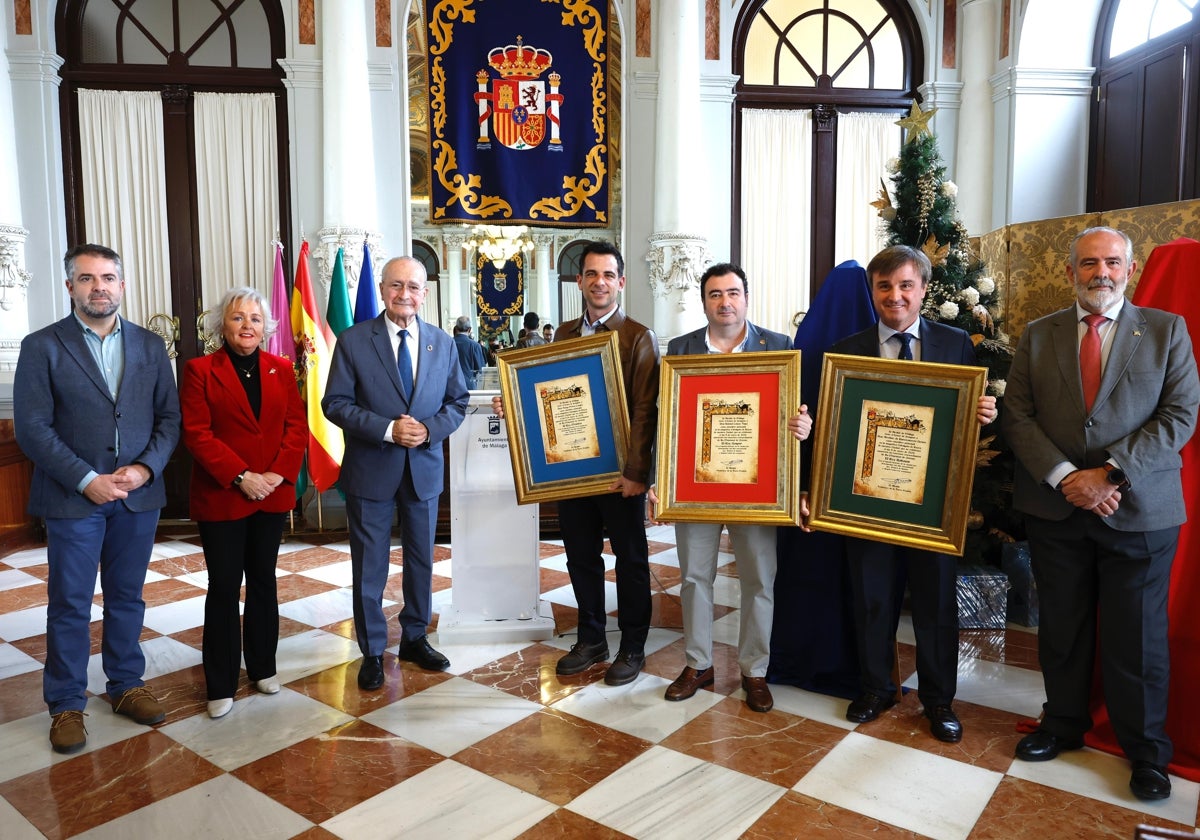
<point x="520" y="108"/>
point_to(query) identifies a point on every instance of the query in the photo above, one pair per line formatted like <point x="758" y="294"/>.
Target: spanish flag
<point x="314" y="351"/>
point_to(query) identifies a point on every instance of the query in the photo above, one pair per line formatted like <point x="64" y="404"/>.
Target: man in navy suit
<point x="899" y="277"/>
<point x="726" y="294"/>
<point x="470" y="354"/>
<point x="396" y="388"/>
<point x="1098" y="479"/>
<point x="96" y="410"/>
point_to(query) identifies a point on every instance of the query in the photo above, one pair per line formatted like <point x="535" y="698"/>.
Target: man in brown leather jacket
<point x="620" y="512"/>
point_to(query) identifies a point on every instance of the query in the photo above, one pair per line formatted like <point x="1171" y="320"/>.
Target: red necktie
<point x="1089" y="359"/>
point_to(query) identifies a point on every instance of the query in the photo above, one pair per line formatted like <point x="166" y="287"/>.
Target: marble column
<point x="678" y="250"/>
<point x="539" y="290"/>
<point x="458" y="297"/>
<point x="350" y="213"/>
<point x="973" y="155"/>
<point x="14" y="279"/>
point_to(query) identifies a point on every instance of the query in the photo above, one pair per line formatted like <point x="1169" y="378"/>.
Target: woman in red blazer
<point x="245" y="426"/>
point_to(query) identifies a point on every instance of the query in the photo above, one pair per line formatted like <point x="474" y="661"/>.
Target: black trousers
<point x="248" y="546"/>
<point x="584" y="523"/>
<point x="878" y="572"/>
<point x="1100" y="586"/>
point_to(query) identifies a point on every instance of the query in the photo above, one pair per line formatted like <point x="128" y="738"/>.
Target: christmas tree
<point x="922" y="212"/>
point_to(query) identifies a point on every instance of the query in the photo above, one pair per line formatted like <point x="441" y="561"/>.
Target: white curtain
<point x="776" y="214"/>
<point x="124" y="192"/>
<point x="865" y="142"/>
<point x="237" y="193"/>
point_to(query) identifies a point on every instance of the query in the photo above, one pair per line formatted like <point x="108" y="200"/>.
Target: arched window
<point x="169" y="73"/>
<point x="432" y="308"/>
<point x="570" y="266"/>
<point x="1138" y="21"/>
<point x="1146" y="120"/>
<point x="821" y="86"/>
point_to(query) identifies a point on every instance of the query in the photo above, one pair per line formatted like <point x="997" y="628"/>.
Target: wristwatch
<point x="1116" y="475"/>
<point x="237" y="481"/>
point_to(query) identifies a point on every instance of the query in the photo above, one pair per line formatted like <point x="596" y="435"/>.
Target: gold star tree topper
<point x="917" y="121"/>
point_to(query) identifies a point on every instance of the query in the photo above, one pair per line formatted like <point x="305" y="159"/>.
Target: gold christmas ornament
<point x="884" y="202"/>
<point x="936" y="253"/>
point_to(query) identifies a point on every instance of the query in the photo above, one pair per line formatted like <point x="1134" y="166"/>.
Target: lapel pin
<point x="1137" y="332"/>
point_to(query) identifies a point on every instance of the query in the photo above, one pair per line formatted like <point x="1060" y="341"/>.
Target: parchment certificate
<point x="892" y="457"/>
<point x="566" y="420"/>
<point x="727" y="438"/>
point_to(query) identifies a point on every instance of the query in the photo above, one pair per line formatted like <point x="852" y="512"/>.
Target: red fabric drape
<point x="1171" y="281"/>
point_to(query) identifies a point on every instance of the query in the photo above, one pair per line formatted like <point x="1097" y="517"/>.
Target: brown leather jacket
<point x="639" y="370"/>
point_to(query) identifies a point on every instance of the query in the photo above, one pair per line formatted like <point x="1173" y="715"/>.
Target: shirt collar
<point x="116" y="330"/>
<point x="738" y="348"/>
<point x="886" y="332"/>
<point x="603" y="319"/>
<point x="1111" y="313"/>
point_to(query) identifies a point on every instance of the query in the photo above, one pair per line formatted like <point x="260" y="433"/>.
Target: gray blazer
<point x="66" y="420"/>
<point x="363" y="396"/>
<point x="1143" y="415"/>
<point x="690" y="344"/>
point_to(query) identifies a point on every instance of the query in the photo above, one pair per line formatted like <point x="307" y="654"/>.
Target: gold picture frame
<point x="566" y="416"/>
<point x="894" y="450"/>
<point x="724" y="452"/>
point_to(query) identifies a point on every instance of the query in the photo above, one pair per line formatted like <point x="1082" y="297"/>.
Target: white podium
<point x="493" y="540"/>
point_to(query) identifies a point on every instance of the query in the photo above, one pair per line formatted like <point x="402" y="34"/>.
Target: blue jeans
<point x="117" y="542"/>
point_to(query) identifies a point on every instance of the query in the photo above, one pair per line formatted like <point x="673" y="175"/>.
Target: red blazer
<point x="221" y="432"/>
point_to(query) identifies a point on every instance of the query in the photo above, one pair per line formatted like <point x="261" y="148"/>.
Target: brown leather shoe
<point x="140" y="704"/>
<point x="67" y="732"/>
<point x="689" y="682"/>
<point x="758" y="696"/>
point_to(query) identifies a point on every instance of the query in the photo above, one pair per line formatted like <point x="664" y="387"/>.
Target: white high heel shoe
<point x="219" y="708"/>
<point x="268" y="686"/>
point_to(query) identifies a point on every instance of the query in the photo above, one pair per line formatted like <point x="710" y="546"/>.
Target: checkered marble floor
<point x="500" y="747"/>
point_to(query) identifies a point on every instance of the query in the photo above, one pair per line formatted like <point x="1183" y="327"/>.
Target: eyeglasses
<point x="412" y="288"/>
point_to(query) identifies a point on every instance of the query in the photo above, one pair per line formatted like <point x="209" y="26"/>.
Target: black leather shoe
<point x="1149" y="781"/>
<point x="370" y="673"/>
<point x="1042" y="746"/>
<point x="423" y="654"/>
<point x="581" y="657"/>
<point x="689" y="682"/>
<point x="868" y="707"/>
<point x="944" y="724"/>
<point x="625" y="667"/>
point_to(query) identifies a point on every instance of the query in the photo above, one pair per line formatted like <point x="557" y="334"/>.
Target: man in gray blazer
<point x="899" y="277"/>
<point x="96" y="410"/>
<point x="725" y="293"/>
<point x="1098" y="478"/>
<point x="397" y="390"/>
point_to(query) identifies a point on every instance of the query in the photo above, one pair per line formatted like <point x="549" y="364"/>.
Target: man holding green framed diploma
<point x="899" y="277"/>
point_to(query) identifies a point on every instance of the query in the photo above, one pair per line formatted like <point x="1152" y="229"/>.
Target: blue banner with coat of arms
<point x="518" y="111"/>
<point x="500" y="291"/>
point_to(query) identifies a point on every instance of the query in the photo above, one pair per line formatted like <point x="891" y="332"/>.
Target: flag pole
<point x="320" y="513"/>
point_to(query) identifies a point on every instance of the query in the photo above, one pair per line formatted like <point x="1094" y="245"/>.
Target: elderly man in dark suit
<point x="725" y="293"/>
<point x="899" y="277"/>
<point x="1101" y="398"/>
<point x="397" y="390"/>
<point x="95" y="409"/>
